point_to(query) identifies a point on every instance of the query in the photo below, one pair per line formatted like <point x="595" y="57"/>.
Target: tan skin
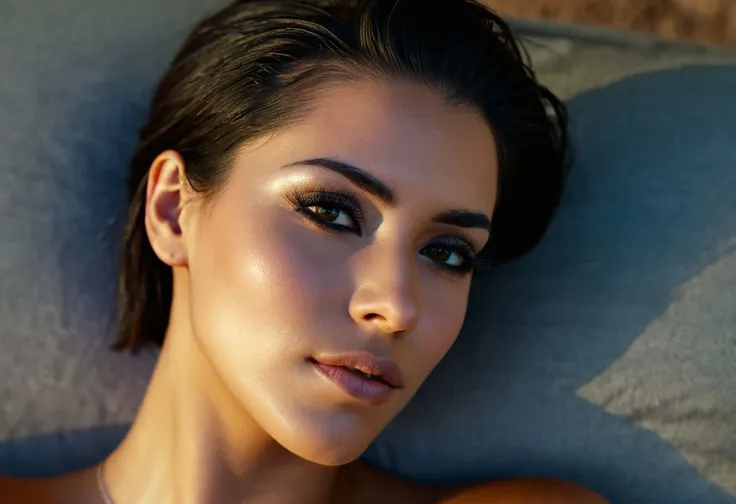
<point x="235" y="412"/>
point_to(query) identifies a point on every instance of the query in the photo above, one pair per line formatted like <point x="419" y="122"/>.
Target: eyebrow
<point x="355" y="175"/>
<point x="368" y="183"/>
<point x="464" y="219"/>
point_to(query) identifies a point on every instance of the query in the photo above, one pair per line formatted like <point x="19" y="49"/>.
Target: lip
<point x="340" y="369"/>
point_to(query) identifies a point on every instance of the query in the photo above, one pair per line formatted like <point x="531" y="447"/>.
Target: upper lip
<point x="386" y="369"/>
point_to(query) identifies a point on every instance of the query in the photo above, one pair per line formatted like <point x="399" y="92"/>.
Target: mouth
<point x="362" y="375"/>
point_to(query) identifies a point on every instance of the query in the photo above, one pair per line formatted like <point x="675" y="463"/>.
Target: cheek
<point x="263" y="282"/>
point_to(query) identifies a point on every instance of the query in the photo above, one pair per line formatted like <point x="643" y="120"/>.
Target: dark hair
<point x="251" y="68"/>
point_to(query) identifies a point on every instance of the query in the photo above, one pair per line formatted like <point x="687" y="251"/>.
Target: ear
<point x="166" y="194"/>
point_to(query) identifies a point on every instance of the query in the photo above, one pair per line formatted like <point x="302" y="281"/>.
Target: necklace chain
<point x="102" y="486"/>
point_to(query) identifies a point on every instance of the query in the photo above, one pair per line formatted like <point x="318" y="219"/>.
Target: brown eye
<point x="440" y="254"/>
<point x="333" y="210"/>
<point x="328" y="214"/>
<point x="455" y="255"/>
<point x="332" y="215"/>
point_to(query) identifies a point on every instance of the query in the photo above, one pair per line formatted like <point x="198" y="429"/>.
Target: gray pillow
<point x="75" y="79"/>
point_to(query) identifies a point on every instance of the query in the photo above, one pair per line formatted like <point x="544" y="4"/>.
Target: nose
<point x="385" y="299"/>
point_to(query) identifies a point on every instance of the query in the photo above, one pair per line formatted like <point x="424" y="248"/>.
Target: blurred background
<point x="705" y="21"/>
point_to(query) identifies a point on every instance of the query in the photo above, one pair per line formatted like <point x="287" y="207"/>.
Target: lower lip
<point x="370" y="391"/>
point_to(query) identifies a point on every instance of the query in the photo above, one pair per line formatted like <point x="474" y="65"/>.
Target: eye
<point x="332" y="210"/>
<point x="453" y="254"/>
<point x="444" y="255"/>
<point x="332" y="215"/>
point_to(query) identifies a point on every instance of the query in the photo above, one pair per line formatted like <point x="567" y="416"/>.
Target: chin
<point x="336" y="440"/>
<point x="334" y="458"/>
<point x="328" y="450"/>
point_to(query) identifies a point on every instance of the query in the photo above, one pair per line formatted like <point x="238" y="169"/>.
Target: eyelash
<point x="330" y="199"/>
<point x="460" y="246"/>
<point x="346" y="201"/>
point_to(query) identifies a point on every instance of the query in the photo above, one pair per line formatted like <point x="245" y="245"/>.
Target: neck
<point x="193" y="443"/>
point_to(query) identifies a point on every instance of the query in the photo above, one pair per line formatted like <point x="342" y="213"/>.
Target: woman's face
<point x="344" y="240"/>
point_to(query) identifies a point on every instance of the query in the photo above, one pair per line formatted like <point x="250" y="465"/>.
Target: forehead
<point x="403" y="134"/>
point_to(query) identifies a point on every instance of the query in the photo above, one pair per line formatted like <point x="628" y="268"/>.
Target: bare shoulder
<point x="522" y="491"/>
<point x="377" y="485"/>
<point x="70" y="488"/>
<point x="19" y="491"/>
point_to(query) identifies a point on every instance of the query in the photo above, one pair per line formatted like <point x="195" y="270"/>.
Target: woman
<point x="315" y="186"/>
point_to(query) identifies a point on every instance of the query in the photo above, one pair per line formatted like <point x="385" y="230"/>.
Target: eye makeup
<point x="338" y="211"/>
<point x="452" y="254"/>
<point x="320" y="205"/>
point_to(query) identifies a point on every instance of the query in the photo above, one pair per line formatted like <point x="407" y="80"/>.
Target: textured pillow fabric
<point x="75" y="80"/>
<point x="547" y="376"/>
<point x="677" y="379"/>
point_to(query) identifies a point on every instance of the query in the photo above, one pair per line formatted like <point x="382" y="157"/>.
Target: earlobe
<point x="165" y="197"/>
